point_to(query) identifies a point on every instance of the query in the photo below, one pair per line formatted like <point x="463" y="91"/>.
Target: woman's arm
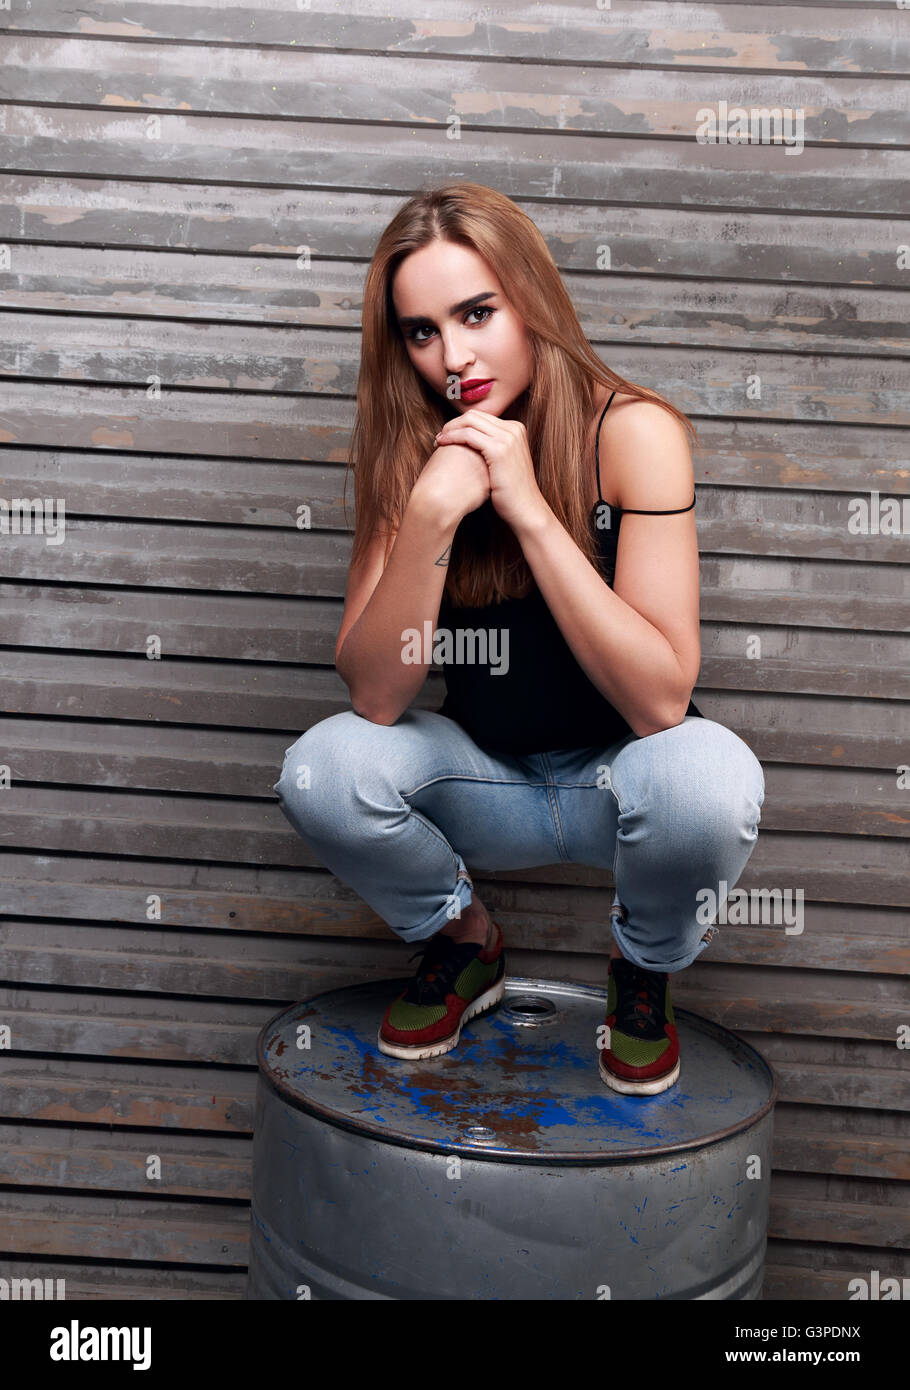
<point x="405" y="594"/>
<point x="638" y="642"/>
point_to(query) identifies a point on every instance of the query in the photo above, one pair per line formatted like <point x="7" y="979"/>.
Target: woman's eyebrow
<point x="410" y="320"/>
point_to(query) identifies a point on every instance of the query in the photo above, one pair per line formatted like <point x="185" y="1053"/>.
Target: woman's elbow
<point x="667" y="717"/>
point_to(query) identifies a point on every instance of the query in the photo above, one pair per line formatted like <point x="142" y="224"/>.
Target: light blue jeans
<point x="394" y="811"/>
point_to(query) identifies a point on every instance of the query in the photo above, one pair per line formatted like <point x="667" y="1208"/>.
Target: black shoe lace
<point x="442" y="961"/>
<point x="640" y="998"/>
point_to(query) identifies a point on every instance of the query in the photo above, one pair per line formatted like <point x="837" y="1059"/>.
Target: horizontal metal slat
<point x="74" y="1091"/>
<point x="114" y="144"/>
<point x="212" y="1167"/>
<point x="724" y="35"/>
<point x="124" y="1228"/>
<point x="259" y="695"/>
<point x="118" y="352"/>
<point x="562" y="917"/>
<point x="231" y="965"/>
<point x="843" y="1222"/>
<point x="795" y="1283"/>
<point x="697" y="243"/>
<point x="211" y="1030"/>
<point x="836" y="731"/>
<point x="110" y="1160"/>
<point x="70" y="1224"/>
<point x="259" y="627"/>
<point x="618" y="308"/>
<point x="786" y="527"/>
<point x="550" y="93"/>
<point x="215" y="426"/>
<point x="100" y="1282"/>
<point x="825" y="799"/>
<point x="864" y="868"/>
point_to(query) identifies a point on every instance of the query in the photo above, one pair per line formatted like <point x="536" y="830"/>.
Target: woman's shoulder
<point x="632" y="416"/>
<point x="645" y="460"/>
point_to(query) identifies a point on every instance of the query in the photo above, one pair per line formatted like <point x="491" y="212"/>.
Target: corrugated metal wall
<point x="195" y="194"/>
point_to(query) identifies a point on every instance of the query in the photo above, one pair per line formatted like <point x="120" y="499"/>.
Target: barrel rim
<point x="522" y="984"/>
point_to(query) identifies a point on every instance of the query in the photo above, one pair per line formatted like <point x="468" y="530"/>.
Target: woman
<point x="524" y="516"/>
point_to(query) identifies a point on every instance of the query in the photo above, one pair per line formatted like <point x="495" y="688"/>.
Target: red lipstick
<point x="476" y="388"/>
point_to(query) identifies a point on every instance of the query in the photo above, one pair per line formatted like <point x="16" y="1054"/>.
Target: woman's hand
<point x="503" y="444"/>
<point x="454" y="481"/>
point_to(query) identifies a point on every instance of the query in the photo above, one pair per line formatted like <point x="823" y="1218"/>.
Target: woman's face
<point x="451" y="340"/>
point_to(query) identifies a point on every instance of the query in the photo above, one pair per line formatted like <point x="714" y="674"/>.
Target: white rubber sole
<point x="480" y="1005"/>
<point x="638" y="1088"/>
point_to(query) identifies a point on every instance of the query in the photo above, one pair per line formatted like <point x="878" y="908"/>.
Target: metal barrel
<point x="505" y="1169"/>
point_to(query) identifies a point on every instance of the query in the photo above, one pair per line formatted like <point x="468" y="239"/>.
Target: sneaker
<point x="640" y="1056"/>
<point x="455" y="981"/>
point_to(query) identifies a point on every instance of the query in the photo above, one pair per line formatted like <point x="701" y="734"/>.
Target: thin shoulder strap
<point x="597" y="444"/>
<point x="671" y="511"/>
<point x="637" y="511"/>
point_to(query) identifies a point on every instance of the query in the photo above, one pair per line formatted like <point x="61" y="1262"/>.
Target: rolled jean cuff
<point x="677" y="963"/>
<point x="463" y="891"/>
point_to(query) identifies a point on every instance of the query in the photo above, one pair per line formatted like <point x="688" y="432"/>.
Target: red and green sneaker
<point x="454" y="982"/>
<point x="640" y="1056"/>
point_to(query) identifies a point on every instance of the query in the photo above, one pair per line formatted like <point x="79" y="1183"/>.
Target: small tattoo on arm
<point x="444" y="557"/>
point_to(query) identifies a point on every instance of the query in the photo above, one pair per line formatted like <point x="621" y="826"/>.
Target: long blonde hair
<point x="398" y="413"/>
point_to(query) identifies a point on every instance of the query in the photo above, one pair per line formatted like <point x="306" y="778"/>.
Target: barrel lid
<point x="522" y="1084"/>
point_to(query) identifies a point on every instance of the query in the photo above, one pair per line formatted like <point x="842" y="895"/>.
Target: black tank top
<point x="544" y="701"/>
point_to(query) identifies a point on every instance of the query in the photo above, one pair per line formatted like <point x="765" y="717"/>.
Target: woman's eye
<point x="481" y="309"/>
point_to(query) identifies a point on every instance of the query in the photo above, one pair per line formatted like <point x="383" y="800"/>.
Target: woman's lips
<point x="476" y="393"/>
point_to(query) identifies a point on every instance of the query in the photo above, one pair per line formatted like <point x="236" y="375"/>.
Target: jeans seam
<point x="616" y="842"/>
<point x="469" y="777"/>
<point x="553" y="800"/>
